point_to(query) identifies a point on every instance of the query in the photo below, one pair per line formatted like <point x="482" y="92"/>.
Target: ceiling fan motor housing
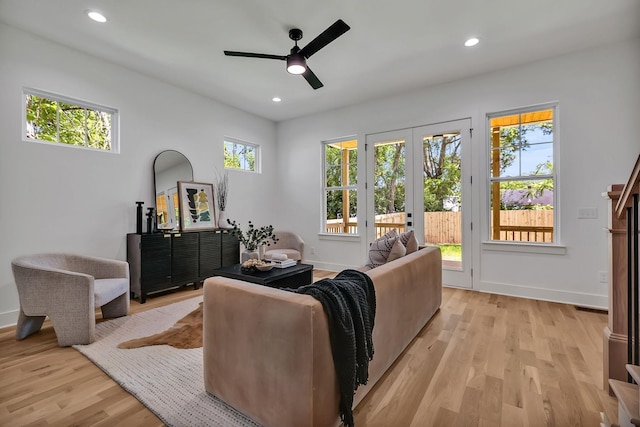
<point x="295" y="34"/>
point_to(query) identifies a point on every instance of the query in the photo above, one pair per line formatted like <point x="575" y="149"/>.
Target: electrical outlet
<point x="603" y="277"/>
<point x="313" y="250"/>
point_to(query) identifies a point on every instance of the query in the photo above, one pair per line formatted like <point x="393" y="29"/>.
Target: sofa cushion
<point x="106" y="290"/>
<point x="397" y="251"/>
<point x="389" y="234"/>
<point x="409" y="241"/>
<point x="379" y="251"/>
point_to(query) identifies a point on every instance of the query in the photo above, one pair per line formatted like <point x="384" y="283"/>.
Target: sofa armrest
<point x="267" y="353"/>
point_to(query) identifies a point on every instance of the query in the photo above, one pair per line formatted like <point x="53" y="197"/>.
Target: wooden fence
<point x="445" y="227"/>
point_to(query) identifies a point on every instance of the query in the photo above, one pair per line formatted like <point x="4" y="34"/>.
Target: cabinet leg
<point x="143" y="297"/>
<point x="196" y="285"/>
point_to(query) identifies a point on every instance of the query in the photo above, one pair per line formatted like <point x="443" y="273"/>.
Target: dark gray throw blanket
<point x="349" y="300"/>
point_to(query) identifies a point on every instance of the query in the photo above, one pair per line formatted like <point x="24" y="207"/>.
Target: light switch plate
<point x="587" y="213"/>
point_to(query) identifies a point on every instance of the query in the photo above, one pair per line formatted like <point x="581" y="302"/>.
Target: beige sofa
<point x="267" y="352"/>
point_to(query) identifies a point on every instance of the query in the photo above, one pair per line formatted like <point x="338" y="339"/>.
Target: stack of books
<point x="284" y="263"/>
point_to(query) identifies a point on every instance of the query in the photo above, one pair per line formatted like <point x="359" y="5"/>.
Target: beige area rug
<point x="167" y="380"/>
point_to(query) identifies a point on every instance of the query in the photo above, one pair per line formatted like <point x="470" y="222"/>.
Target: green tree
<point x="334" y="168"/>
<point x="65" y="123"/>
<point x="390" y="170"/>
<point x="441" y="169"/>
<point x="239" y="156"/>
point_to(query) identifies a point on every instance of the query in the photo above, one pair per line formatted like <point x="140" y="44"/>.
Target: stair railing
<point x="627" y="208"/>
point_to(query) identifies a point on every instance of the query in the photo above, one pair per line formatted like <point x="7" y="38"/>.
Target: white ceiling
<point x="392" y="47"/>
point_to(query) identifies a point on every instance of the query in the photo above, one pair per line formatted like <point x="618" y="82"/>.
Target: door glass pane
<point x="389" y="186"/>
<point x="441" y="169"/>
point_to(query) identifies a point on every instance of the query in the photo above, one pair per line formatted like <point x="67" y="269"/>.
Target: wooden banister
<point x="631" y="187"/>
<point x="621" y="334"/>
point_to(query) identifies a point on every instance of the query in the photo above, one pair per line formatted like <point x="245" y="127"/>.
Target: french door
<point x="421" y="181"/>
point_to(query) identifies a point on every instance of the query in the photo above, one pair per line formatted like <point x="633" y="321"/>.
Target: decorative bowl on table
<point x="265" y="267"/>
<point x="253" y="265"/>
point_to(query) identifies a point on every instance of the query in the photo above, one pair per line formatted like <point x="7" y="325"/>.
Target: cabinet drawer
<point x="155" y="257"/>
<point x="210" y="253"/>
<point x="184" y="258"/>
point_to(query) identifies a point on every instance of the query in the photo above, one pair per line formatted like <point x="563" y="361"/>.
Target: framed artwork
<point x="196" y="206"/>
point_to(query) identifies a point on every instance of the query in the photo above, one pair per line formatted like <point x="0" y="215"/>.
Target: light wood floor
<point x="485" y="360"/>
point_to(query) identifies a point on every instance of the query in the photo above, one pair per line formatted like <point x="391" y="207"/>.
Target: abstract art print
<point x="196" y="206"/>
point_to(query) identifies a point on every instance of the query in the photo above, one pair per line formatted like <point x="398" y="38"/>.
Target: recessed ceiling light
<point x="471" y="42"/>
<point x="276" y="99"/>
<point x="96" y="16"/>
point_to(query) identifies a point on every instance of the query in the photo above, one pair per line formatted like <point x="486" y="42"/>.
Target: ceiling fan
<point x="297" y="59"/>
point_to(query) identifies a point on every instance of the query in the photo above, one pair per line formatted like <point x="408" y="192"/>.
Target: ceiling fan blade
<point x="313" y="80"/>
<point x="254" y="55"/>
<point x="337" y="29"/>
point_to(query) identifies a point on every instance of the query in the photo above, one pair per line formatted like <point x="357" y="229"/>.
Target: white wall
<point x="57" y="198"/>
<point x="599" y="104"/>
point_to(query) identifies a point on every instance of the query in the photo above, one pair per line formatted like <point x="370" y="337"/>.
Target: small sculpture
<point x="150" y="217"/>
<point x="139" y="217"/>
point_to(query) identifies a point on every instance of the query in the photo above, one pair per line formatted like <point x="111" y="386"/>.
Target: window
<point x="57" y="119"/>
<point x="241" y="155"/>
<point x="339" y="187"/>
<point x="522" y="175"/>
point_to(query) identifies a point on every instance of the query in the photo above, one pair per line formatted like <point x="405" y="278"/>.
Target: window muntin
<point x="522" y="175"/>
<point x="340" y="158"/>
<point x="56" y="119"/>
<point x="241" y="155"/>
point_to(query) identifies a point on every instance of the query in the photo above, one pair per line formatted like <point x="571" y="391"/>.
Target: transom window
<point x="522" y="175"/>
<point x="57" y="119"/>
<point x="241" y="155"/>
<point x="340" y="186"/>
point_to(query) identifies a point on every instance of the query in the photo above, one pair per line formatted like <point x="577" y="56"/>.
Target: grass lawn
<point x="451" y="252"/>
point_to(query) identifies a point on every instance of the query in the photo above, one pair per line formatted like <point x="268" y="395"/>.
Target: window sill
<point x="336" y="236"/>
<point x="529" y="248"/>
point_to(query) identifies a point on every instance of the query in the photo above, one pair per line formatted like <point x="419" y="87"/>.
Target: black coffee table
<point x="290" y="277"/>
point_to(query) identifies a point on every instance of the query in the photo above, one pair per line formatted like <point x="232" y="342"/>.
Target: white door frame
<point x="414" y="188"/>
<point x="451" y="276"/>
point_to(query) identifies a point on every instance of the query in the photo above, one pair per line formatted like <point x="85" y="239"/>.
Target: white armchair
<point x="289" y="243"/>
<point x="68" y="288"/>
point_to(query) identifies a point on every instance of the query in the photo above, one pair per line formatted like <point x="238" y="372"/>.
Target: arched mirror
<point x="169" y="167"/>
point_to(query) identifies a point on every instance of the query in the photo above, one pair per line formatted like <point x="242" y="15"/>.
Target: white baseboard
<point x="600" y="302"/>
<point x="9" y="318"/>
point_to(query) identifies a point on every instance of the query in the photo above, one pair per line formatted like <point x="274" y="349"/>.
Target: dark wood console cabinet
<point x="161" y="261"/>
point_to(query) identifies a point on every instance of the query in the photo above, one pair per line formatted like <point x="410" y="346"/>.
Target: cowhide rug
<point x="186" y="333"/>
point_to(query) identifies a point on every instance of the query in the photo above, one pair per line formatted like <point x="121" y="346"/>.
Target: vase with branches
<point x="222" y="190"/>
<point x="254" y="237"/>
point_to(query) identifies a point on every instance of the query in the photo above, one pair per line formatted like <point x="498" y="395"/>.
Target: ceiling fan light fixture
<point x="296" y="64"/>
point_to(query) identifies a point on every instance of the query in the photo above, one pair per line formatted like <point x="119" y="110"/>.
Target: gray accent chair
<point x="68" y="288"/>
<point x="289" y="243"/>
